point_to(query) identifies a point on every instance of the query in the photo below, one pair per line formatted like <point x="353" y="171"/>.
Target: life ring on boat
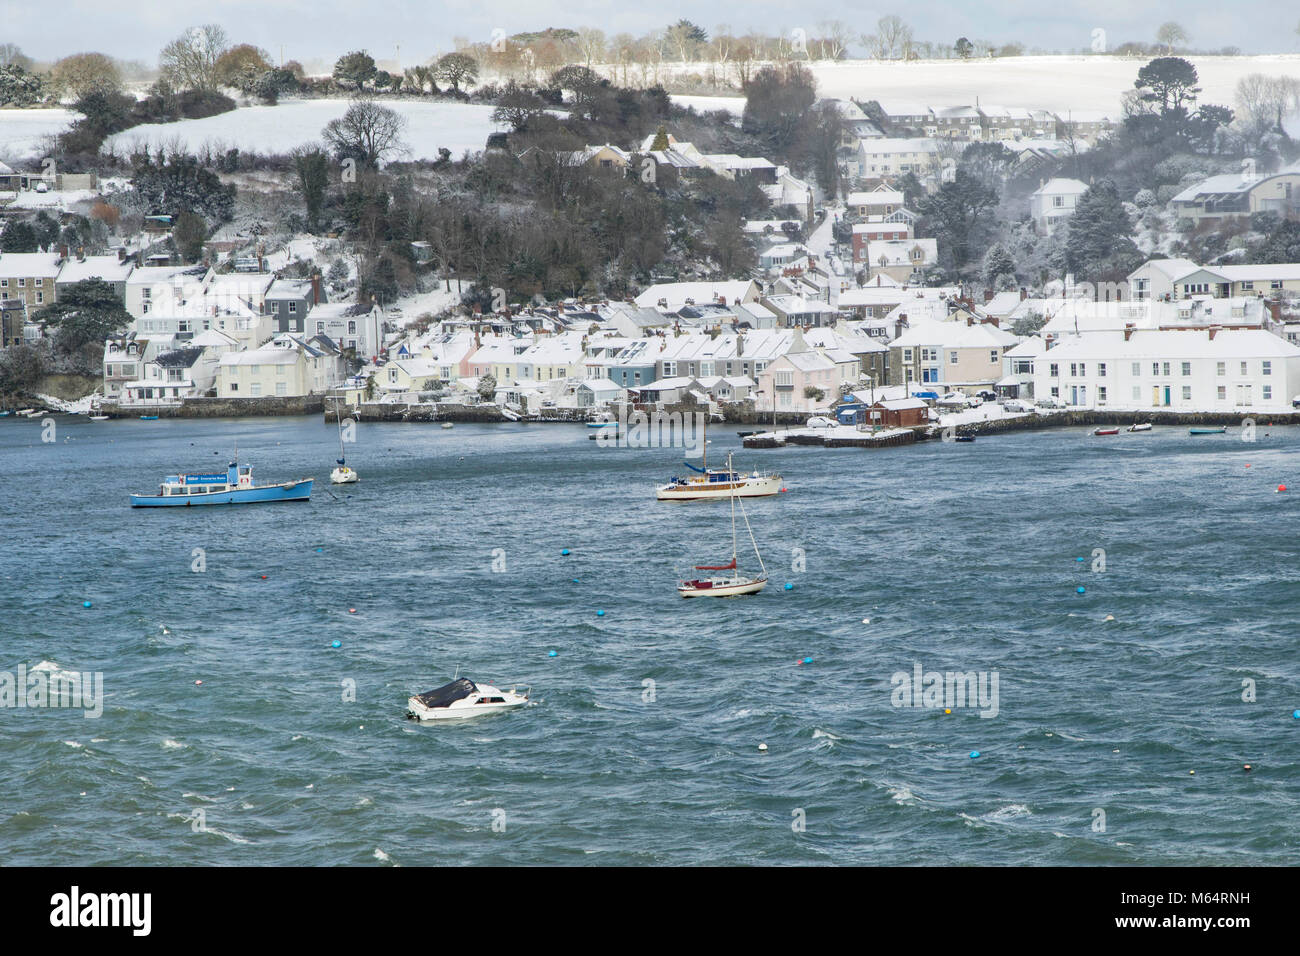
<point x="188" y="503"/>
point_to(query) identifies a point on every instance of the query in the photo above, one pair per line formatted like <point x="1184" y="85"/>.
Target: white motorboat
<point x="715" y="483"/>
<point x="1143" y="427"/>
<point x="448" y="425"/>
<point x="342" y="475"/>
<point x="734" y="583"/>
<point x="463" y="698"/>
<point x="99" y="418"/>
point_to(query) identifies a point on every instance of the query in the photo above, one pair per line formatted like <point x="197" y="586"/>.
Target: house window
<point x="1055" y="371"/>
<point x="1222" y="391"/>
<point x="1267" y="368"/>
<point x="320" y="328"/>
<point x="952" y="358"/>
<point x="352" y="328"/>
<point x="1221" y="368"/>
<point x="907" y="355"/>
<point x="1187" y="368"/>
<point x="282" y="388"/>
<point x="22" y="283"/>
<point x="1101" y="370"/>
<point x="293" y="308"/>
<point x="993" y="356"/>
<point x="1247" y="286"/>
<point x="1137" y="393"/>
<point x="1101" y="395"/>
<point x="1243" y="368"/>
<point x="1187" y="393"/>
<point x="670" y="369"/>
<point x="1058" y="201"/>
<point x="40" y="297"/>
<point x="1137" y="369"/>
<point x="1275" y="284"/>
<point x="1074" y="370"/>
<point x="234" y="386"/>
<point x="1155" y="368"/>
<point x="1164" y="368"/>
<point x="255" y="390"/>
<point x="784" y="379"/>
<point x="1267" y="392"/>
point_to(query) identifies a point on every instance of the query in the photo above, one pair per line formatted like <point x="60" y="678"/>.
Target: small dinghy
<point x="1144" y="427"/>
<point x="99" y="418"/>
<point x="964" y="438"/>
<point x="1208" y="431"/>
<point x="1106" y="431"/>
<point x="448" y="425"/>
<point x="463" y="698"/>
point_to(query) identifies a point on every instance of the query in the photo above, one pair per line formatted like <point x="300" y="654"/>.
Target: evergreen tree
<point x="1098" y="244"/>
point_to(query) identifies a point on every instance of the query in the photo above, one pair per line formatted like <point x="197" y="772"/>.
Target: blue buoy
<point x="1080" y="590"/>
<point x="319" y="550"/>
<point x="600" y="614"/>
<point x="807" y="660"/>
<point x="1080" y="560"/>
<point x="336" y="644"/>
<point x="974" y="755"/>
<point x="85" y="604"/>
<point x="552" y="653"/>
<point x="789" y="586"/>
<point x="575" y="580"/>
<point x="565" y="552"/>
<point x="1296" y="714"/>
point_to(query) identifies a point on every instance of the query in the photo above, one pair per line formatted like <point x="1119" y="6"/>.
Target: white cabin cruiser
<point x="463" y="698"/>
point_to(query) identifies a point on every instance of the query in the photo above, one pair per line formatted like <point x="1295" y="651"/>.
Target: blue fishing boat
<point x="235" y="487"/>
<point x="148" y="418"/>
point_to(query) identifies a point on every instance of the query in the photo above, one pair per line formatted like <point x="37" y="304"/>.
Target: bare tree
<point x="834" y="39"/>
<point x="1170" y="34"/>
<point x="367" y="132"/>
<point x="190" y="61"/>
<point x="893" y="38"/>
<point x="592" y="44"/>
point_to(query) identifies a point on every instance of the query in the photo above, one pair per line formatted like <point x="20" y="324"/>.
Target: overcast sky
<point x="324" y="29"/>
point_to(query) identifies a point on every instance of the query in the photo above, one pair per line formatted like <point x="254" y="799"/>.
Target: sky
<point x="413" y="31"/>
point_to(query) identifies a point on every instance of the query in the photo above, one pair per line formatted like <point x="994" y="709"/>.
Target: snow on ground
<point x="21" y="131"/>
<point x="1062" y="83"/>
<point x="431" y="303"/>
<point x="459" y="127"/>
<point x="62" y="201"/>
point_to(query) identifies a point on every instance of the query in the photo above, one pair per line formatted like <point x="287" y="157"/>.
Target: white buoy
<point x="762" y="748"/>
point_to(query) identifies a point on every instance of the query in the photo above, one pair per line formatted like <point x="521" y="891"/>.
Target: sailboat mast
<point x="704" y="443"/>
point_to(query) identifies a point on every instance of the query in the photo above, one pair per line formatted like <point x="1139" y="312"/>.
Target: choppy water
<point x="962" y="557"/>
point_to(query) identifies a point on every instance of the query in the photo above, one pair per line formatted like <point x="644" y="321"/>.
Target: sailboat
<point x="732" y="582"/>
<point x="717" y="484"/>
<point x="342" y="475"/>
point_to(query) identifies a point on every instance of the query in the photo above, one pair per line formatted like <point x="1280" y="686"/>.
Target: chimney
<point x="1214" y="330"/>
<point x="1024" y="293"/>
<point x="970" y="320"/>
<point x="63" y="252"/>
<point x="988" y="296"/>
<point x="81" y="253"/>
<point x="121" y="253"/>
<point x="1129" y="329"/>
<point x="315" y="288"/>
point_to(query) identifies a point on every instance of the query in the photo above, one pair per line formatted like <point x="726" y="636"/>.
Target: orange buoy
<point x="1281" y="487"/>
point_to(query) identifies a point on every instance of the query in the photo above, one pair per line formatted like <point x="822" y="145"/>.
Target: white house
<point x="1052" y="203"/>
<point x="1189" y="370"/>
<point x="284" y="367"/>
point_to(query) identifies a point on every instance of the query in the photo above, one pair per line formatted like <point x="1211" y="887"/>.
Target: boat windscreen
<point x="448" y="693"/>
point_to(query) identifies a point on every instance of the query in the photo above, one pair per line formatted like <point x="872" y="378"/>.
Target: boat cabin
<point x="236" y="476"/>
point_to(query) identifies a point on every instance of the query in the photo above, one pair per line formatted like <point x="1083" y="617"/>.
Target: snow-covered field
<point x="21" y="131"/>
<point x="459" y="127"/>
<point x="1057" y="83"/>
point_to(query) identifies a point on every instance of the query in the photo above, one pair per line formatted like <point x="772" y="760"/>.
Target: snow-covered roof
<point x="108" y="268"/>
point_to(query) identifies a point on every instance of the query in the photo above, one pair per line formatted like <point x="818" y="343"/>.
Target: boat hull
<point x="1207" y="431"/>
<point x="721" y="590"/>
<point x="761" y="487"/>
<point x="344" y="476"/>
<point x="287" y="491"/>
<point x="420" y="712"/>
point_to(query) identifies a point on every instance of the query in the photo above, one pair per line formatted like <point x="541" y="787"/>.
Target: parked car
<point x="821" y="421"/>
<point x="1016" y="405"/>
<point x="974" y="401"/>
<point x="987" y="395"/>
<point x="1050" y="403"/>
<point x="41" y="187"/>
<point x="952" y="398"/>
